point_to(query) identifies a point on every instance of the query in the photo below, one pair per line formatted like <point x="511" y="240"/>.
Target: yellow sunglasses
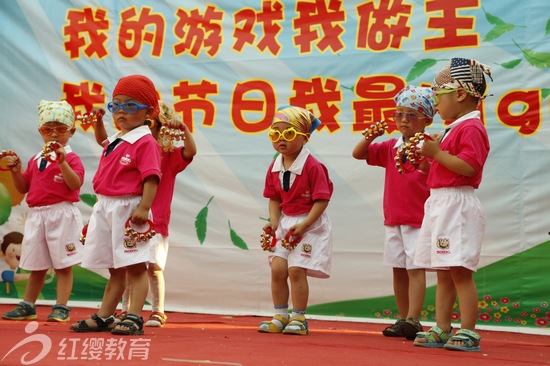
<point x="288" y="135"/>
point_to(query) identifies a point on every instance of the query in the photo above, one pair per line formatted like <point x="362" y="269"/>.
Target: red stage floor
<point x="199" y="339"/>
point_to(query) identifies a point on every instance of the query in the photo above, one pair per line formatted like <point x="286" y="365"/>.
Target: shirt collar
<point x="471" y="115"/>
<point x="398" y="143"/>
<point x="131" y="136"/>
<point x="296" y="167"/>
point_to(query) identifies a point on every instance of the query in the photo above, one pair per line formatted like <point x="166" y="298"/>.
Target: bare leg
<point x="467" y="298"/>
<point x="416" y="292"/>
<point x="156" y="286"/>
<point x="34" y="286"/>
<point x="401" y="291"/>
<point x="64" y="285"/>
<point x="299" y="288"/>
<point x="280" y="291"/>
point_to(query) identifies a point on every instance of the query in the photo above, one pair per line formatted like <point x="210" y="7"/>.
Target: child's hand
<point x="176" y="124"/>
<point x="298" y="230"/>
<point x="270" y="226"/>
<point x="14" y="164"/>
<point x="375" y="130"/>
<point x="430" y="148"/>
<point x="61" y="154"/>
<point x="140" y="216"/>
<point x="98" y="113"/>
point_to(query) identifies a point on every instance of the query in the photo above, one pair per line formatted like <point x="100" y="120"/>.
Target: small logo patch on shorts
<point x="443" y="244"/>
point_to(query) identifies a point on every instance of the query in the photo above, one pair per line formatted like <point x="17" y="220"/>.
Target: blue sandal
<point x="430" y="337"/>
<point x="468" y="337"/>
<point x="60" y="313"/>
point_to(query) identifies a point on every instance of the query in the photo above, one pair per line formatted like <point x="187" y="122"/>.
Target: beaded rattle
<point x="168" y="137"/>
<point x="408" y="157"/>
<point x="88" y="119"/>
<point x="268" y="240"/>
<point x="290" y="241"/>
<point x="49" y="150"/>
<point x="5" y="154"/>
<point x="375" y="130"/>
<point x="130" y="232"/>
<point x="83" y="235"/>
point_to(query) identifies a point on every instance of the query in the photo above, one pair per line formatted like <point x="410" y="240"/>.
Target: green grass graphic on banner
<point x="512" y="292"/>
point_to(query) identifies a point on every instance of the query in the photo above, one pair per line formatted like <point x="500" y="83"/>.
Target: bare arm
<point x="14" y="163"/>
<point x="361" y="150"/>
<point x="274" y="214"/>
<point x="316" y="211"/>
<point x="72" y="180"/>
<point x="141" y="213"/>
<point x="432" y="150"/>
<point x="190" y="149"/>
<point x="100" y="132"/>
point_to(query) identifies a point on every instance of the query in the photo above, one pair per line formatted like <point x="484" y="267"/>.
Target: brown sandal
<point x="394" y="329"/>
<point x="410" y="327"/>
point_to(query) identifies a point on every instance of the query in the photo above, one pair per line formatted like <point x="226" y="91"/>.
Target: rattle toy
<point x="268" y="240"/>
<point x="88" y="119"/>
<point x="168" y="136"/>
<point x="408" y="157"/>
<point x="290" y="241"/>
<point x="49" y="151"/>
<point x="5" y="154"/>
<point x="83" y="235"/>
<point x="375" y="130"/>
<point x="130" y="232"/>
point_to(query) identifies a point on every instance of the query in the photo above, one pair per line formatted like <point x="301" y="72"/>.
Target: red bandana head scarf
<point x="141" y="89"/>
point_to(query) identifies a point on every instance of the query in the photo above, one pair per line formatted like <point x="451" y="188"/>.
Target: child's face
<point x="409" y="121"/>
<point x="128" y="121"/>
<point x="446" y="103"/>
<point x="56" y="131"/>
<point x="284" y="147"/>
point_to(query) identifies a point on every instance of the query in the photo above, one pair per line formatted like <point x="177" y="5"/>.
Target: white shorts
<point x="314" y="252"/>
<point x="52" y="237"/>
<point x="159" y="251"/>
<point x="106" y="245"/>
<point x="452" y="229"/>
<point x="400" y="246"/>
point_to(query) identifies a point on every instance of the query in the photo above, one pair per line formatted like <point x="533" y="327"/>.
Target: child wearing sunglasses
<point x="299" y="189"/>
<point x="404" y="197"/>
<point x="173" y="161"/>
<point x="454" y="222"/>
<point x="126" y="182"/>
<point x="53" y="226"/>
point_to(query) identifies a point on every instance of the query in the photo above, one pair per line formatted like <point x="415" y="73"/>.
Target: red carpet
<point x="198" y="339"/>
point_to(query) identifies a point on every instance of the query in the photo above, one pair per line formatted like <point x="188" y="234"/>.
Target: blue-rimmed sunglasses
<point x="129" y="107"/>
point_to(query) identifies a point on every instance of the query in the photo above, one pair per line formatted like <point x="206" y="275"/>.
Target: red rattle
<point x="130" y="232"/>
<point x="268" y="240"/>
<point x="49" y="150"/>
<point x="88" y="119"/>
<point x="375" y="130"/>
<point x="5" y="154"/>
<point x="290" y="241"/>
<point x="408" y="157"/>
<point x="83" y="235"/>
